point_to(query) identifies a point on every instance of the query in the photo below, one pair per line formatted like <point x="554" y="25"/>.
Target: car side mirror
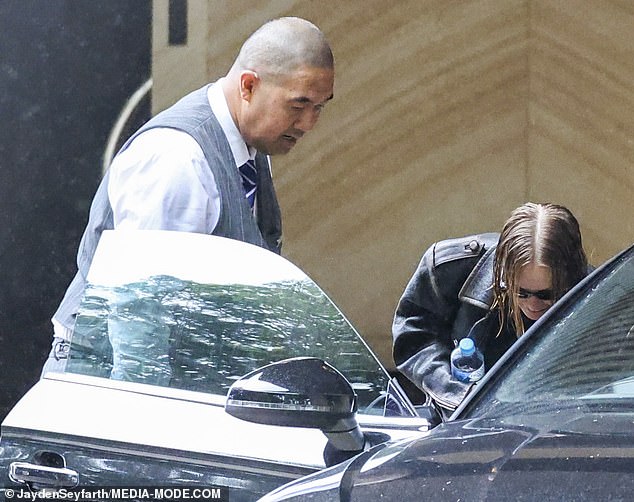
<point x="299" y="392"/>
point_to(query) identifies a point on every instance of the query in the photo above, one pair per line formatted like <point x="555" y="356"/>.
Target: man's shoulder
<point x="160" y="143"/>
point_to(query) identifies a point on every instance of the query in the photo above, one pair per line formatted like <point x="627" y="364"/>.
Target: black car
<point x="552" y="420"/>
<point x="170" y="321"/>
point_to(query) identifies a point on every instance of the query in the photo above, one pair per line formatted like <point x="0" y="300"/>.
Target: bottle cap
<point x="467" y="347"/>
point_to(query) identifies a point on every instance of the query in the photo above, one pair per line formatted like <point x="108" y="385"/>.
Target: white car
<point x="170" y="321"/>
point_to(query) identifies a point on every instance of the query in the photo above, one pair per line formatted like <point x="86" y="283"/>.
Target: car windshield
<point x="576" y="372"/>
<point x="197" y="312"/>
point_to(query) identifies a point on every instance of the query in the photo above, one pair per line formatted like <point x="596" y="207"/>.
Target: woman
<point x="489" y="287"/>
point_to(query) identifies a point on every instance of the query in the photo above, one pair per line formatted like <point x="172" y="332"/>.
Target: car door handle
<point x="42" y="476"/>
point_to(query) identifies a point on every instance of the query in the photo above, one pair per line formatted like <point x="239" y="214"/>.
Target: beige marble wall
<point x="581" y="115"/>
<point x="446" y="116"/>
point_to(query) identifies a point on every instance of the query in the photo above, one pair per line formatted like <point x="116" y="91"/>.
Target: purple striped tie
<point x="249" y="180"/>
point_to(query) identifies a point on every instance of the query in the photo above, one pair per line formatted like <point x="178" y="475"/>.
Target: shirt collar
<point x="241" y="152"/>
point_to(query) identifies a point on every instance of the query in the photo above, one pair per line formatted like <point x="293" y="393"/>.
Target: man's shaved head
<point x="281" y="46"/>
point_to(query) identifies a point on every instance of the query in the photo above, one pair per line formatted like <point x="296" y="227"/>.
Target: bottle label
<point x="468" y="376"/>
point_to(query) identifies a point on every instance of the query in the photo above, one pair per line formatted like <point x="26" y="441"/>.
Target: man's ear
<point x="249" y="80"/>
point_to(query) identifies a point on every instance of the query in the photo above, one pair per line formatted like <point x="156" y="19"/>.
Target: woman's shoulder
<point x="461" y="248"/>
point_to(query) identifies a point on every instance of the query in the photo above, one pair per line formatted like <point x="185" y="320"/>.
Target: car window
<point x="183" y="311"/>
<point x="578" y="369"/>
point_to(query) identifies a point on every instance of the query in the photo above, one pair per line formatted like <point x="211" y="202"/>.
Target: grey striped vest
<point x="193" y="115"/>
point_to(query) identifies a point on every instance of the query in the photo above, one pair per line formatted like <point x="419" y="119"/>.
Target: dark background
<point x="67" y="67"/>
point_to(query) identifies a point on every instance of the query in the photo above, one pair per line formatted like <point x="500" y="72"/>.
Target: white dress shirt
<point x="162" y="180"/>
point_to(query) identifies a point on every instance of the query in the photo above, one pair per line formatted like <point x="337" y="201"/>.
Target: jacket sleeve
<point x="422" y="327"/>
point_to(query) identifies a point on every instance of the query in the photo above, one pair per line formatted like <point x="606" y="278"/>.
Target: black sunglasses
<point x="542" y="294"/>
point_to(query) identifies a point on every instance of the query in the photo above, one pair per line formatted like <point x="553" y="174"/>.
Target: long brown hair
<point x="542" y="234"/>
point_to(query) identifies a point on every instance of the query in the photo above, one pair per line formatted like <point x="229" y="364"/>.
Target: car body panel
<point x="469" y="461"/>
<point x="92" y="411"/>
<point x="474" y="461"/>
<point x="164" y="436"/>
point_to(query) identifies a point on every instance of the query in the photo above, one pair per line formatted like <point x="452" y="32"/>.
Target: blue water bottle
<point x="467" y="363"/>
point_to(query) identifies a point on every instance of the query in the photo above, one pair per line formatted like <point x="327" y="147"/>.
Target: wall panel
<point x="581" y="127"/>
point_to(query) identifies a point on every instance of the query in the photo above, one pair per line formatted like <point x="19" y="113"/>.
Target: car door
<point x="169" y="321"/>
<point x="128" y="434"/>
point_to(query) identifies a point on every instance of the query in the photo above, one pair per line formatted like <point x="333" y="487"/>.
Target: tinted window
<point x="579" y="368"/>
<point x="171" y="330"/>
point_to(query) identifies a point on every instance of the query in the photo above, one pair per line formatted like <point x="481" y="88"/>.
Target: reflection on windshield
<point x="578" y="367"/>
<point x="183" y="334"/>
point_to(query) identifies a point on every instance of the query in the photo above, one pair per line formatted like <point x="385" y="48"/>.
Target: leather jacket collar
<point x="477" y="289"/>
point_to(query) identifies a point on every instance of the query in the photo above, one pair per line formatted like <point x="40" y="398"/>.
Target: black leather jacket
<point x="448" y="298"/>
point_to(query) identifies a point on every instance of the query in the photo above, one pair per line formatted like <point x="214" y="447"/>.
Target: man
<point x="184" y="169"/>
